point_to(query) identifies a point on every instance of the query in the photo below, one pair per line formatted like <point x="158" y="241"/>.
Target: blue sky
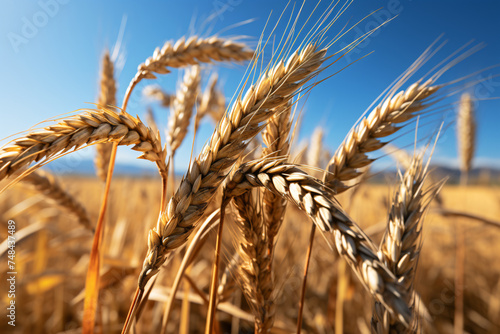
<point x="53" y="67"/>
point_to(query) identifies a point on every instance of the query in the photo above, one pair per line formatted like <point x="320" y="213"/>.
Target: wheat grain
<point x="46" y="184"/>
<point x="107" y="97"/>
<point x="401" y="244"/>
<point x="100" y="125"/>
<point x="182" y="108"/>
<point x="310" y="196"/>
<point x="275" y="88"/>
<point x="365" y="137"/>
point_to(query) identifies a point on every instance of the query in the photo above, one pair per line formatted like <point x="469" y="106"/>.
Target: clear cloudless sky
<point x="51" y="49"/>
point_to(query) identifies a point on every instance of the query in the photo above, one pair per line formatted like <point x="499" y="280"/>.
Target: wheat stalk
<point x="47" y="185"/>
<point x="275" y="88"/>
<point x="101" y="125"/>
<point x="401" y="244"/>
<point x="107" y="97"/>
<point x="312" y="197"/>
<point x="365" y="137"/>
<point x="182" y="108"/>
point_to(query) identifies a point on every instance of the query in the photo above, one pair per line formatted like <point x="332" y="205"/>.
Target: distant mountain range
<point x="483" y="176"/>
<point x="66" y="166"/>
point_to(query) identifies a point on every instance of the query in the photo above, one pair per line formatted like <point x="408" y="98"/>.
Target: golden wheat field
<point x="252" y="228"/>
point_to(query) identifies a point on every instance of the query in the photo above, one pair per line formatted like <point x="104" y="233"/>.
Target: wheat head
<point x="47" y="185"/>
<point x="311" y="196"/>
<point x="107" y="97"/>
<point x="401" y="244"/>
<point x="383" y="121"/>
<point x="182" y="108"/>
<point x="275" y="88"/>
<point x="466" y="132"/>
<point x="101" y="125"/>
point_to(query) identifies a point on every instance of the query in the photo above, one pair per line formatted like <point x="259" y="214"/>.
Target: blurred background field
<point x="52" y="259"/>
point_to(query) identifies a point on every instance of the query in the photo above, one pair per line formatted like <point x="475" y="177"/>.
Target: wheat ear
<point x="466" y="132"/>
<point x="184" y="52"/>
<point x="315" y="148"/>
<point x="107" y="97"/>
<point x="255" y="269"/>
<point x="383" y="121"/>
<point x="311" y="196"/>
<point x="208" y="101"/>
<point x="101" y="125"/>
<point x="276" y="138"/>
<point x="401" y="244"/>
<point x="47" y="185"/>
<point x="156" y="93"/>
<point x="182" y="108"/>
<point x="275" y="88"/>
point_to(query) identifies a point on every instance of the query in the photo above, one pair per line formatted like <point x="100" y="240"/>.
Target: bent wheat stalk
<point x="401" y="244"/>
<point x="311" y="196"/>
